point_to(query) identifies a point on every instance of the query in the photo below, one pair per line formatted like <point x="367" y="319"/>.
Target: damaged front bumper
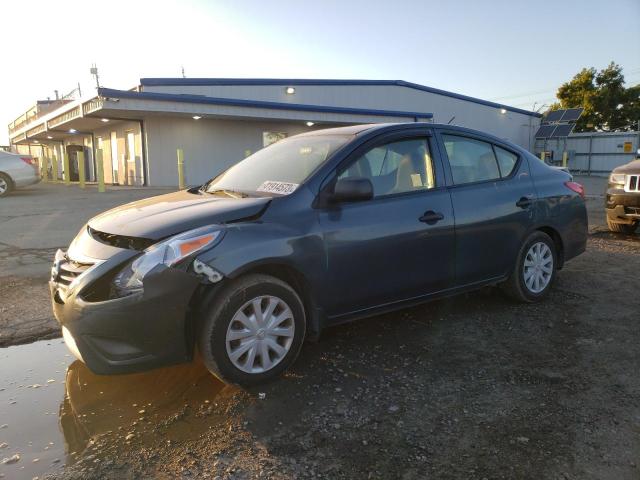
<point x="141" y="331"/>
<point x="622" y="206"/>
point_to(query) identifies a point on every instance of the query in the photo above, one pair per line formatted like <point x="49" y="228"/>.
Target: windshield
<point x="279" y="168"/>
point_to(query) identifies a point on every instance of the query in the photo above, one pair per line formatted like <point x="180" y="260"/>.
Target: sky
<point x="510" y="51"/>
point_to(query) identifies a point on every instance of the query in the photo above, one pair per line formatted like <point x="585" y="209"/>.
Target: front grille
<point x="69" y="270"/>
<point x="633" y="183"/>
<point x="632" y="211"/>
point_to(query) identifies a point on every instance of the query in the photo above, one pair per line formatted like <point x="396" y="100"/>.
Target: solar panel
<point x="545" y="131"/>
<point x="562" y="130"/>
<point x="572" y="114"/>
<point x="553" y="116"/>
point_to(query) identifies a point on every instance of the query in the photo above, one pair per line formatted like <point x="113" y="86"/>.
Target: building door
<point x="114" y="157"/>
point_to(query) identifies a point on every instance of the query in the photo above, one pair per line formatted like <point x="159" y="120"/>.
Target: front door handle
<point x="431" y="218"/>
<point x="524" y="202"/>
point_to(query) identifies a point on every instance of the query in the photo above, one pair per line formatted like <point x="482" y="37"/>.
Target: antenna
<point x="94" y="71"/>
<point x="452" y="119"/>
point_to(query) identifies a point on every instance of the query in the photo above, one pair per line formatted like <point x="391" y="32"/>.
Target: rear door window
<point x="471" y="160"/>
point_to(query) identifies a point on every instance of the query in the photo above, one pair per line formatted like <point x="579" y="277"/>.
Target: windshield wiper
<point x="230" y="193"/>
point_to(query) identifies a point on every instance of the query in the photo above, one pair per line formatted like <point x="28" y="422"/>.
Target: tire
<point x="221" y="321"/>
<point x="6" y="185"/>
<point x="517" y="286"/>
<point x="628" y="228"/>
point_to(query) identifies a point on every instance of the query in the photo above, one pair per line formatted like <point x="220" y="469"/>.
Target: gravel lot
<point x="470" y="387"/>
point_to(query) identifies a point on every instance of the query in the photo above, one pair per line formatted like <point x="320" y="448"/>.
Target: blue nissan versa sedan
<point x="314" y="230"/>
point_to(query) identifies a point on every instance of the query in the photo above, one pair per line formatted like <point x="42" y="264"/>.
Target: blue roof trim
<point x="298" y="81"/>
<point x="236" y="102"/>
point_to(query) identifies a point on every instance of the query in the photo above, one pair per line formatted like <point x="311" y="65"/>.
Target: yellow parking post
<point x="565" y="159"/>
<point x="80" y="158"/>
<point x="181" y="184"/>
<point x="54" y="169"/>
<point x="99" y="170"/>
<point x="44" y="170"/>
<point x="542" y="156"/>
<point x="67" y="172"/>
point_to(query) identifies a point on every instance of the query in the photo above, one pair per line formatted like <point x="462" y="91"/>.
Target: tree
<point x="608" y="105"/>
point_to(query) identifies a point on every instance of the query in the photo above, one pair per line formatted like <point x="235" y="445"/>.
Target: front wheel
<point x="535" y="269"/>
<point x="253" y="331"/>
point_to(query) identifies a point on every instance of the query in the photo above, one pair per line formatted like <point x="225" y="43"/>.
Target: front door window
<point x="396" y="167"/>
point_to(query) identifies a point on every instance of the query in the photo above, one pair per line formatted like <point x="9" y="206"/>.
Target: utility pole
<point x="94" y="71"/>
<point x="183" y="75"/>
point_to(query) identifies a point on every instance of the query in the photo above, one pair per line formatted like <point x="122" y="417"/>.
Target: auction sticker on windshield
<point x="281" y="188"/>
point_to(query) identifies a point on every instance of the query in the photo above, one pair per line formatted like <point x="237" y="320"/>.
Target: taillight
<point x="27" y="160"/>
<point x="576" y="187"/>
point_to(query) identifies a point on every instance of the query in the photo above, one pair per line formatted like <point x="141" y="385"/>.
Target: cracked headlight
<point x="168" y="252"/>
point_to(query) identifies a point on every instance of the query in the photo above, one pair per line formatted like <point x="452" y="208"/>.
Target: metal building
<point x="217" y="122"/>
<point x="593" y="153"/>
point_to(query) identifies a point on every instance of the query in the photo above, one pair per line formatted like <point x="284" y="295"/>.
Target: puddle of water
<point x="56" y="412"/>
<point x="29" y="405"/>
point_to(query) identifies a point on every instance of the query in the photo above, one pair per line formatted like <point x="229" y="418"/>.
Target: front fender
<point x="249" y="246"/>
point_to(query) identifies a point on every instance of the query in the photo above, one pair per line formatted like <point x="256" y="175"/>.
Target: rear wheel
<point x="627" y="228"/>
<point x="5" y="184"/>
<point x="535" y="269"/>
<point x="254" y="331"/>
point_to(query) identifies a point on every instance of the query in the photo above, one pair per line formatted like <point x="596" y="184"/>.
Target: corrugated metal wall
<point x="513" y="126"/>
<point x="592" y="153"/>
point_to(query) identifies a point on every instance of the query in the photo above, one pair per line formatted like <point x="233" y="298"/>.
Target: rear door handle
<point x="431" y="218"/>
<point x="524" y="202"/>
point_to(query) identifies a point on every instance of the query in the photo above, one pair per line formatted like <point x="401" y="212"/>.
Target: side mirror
<point x="355" y="189"/>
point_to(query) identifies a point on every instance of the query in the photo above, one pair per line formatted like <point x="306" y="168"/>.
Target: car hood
<point x="631" y="167"/>
<point x="159" y="217"/>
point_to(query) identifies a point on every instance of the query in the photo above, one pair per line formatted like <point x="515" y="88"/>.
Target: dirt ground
<point x="471" y="387"/>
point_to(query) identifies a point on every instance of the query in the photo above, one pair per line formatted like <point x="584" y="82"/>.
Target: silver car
<point x="17" y="171"/>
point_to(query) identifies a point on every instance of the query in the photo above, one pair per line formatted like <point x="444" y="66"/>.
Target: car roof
<point x="349" y="130"/>
<point x="355" y="130"/>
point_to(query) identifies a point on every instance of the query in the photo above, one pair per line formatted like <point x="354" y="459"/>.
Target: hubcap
<point x="538" y="267"/>
<point x="260" y="334"/>
<point x="3" y="185"/>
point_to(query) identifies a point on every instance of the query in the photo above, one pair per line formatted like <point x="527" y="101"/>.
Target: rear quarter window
<point x="506" y="161"/>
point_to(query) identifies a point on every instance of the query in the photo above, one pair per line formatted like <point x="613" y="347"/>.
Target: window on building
<point x="396" y="167"/>
<point x="272" y="137"/>
<point x="471" y="160"/>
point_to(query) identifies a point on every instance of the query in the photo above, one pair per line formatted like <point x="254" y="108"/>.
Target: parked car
<point x="622" y="200"/>
<point x="17" y="171"/>
<point x="312" y="231"/>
